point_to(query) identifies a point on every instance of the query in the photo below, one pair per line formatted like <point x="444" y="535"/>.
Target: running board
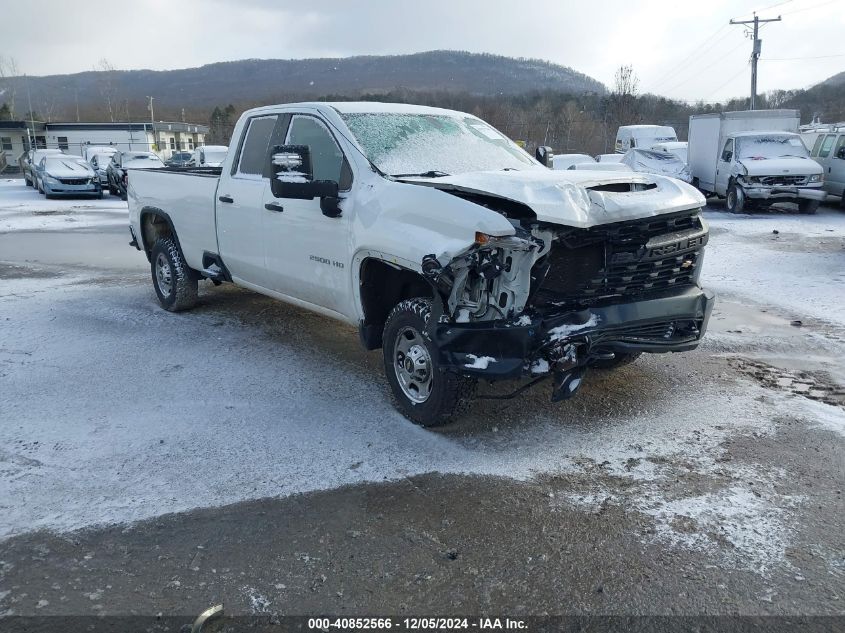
<point x="214" y="269"/>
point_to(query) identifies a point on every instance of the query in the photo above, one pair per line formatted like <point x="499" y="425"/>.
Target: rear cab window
<point x="253" y="154"/>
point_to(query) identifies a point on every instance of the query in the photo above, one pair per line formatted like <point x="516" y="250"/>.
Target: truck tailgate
<point x="187" y="198"/>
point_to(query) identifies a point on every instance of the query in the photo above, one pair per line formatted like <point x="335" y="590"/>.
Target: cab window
<point x="254" y="150"/>
<point x="327" y="160"/>
<point x="824" y="151"/>
<point x="728" y="151"/>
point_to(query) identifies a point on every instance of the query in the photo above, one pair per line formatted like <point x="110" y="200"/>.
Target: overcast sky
<point x="683" y="49"/>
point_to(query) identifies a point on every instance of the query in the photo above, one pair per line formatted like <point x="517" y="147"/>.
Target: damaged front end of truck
<point x="552" y="300"/>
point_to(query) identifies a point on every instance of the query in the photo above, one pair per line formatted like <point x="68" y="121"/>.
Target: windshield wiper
<point x="426" y="174"/>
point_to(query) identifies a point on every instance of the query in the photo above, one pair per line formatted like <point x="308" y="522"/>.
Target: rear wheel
<point x="423" y="392"/>
<point x="808" y="207"/>
<point x="174" y="282"/>
<point x="735" y="200"/>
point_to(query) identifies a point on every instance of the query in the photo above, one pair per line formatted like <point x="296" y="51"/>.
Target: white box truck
<point x="753" y="159"/>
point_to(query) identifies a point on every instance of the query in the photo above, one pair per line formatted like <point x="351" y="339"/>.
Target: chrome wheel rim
<point x="412" y="364"/>
<point x="164" y="276"/>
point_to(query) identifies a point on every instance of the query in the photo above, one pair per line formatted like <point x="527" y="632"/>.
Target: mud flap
<point x="567" y="383"/>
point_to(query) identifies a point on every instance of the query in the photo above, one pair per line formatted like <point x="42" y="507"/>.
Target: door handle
<point x="272" y="206"/>
<point x="228" y="199"/>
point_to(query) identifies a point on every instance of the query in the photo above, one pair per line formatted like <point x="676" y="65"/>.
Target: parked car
<point x="121" y="162"/>
<point x="89" y="151"/>
<point x="566" y="161"/>
<point x="648" y="161"/>
<point x="630" y="136"/>
<point x="828" y="150"/>
<point x="100" y="164"/>
<point x="753" y="158"/>
<point x="178" y="159"/>
<point x="678" y="148"/>
<point x="29" y="161"/>
<point x="208" y="156"/>
<point x="447" y="245"/>
<point x="66" y="175"/>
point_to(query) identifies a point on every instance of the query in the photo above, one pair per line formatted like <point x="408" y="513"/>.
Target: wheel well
<point x="154" y="225"/>
<point x="382" y="286"/>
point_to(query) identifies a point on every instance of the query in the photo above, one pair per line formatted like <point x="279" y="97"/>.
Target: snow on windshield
<point x="419" y="143"/>
<point x="67" y="163"/>
<point x="771" y="146"/>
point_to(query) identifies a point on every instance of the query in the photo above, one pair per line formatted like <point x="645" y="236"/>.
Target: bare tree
<point x="624" y="105"/>
<point x="107" y="88"/>
<point x="8" y="82"/>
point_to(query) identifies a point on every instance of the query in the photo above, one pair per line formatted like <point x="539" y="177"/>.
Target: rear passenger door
<point x="240" y="209"/>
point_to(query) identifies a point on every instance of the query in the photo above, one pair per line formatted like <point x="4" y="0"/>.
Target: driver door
<point x="307" y="253"/>
<point x="723" y="167"/>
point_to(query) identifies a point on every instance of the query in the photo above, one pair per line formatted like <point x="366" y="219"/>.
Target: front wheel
<point x="808" y="207"/>
<point x="426" y="394"/>
<point x="735" y="200"/>
<point x="174" y="282"/>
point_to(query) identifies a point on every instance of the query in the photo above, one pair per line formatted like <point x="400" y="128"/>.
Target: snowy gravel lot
<point x="113" y="410"/>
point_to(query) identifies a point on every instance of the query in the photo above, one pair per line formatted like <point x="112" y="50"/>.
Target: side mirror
<point x="840" y="153"/>
<point x="726" y="156"/>
<point x="544" y="155"/>
<point x="291" y="176"/>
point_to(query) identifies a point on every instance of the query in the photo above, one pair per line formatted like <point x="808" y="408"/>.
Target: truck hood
<point x="579" y="199"/>
<point x="778" y="166"/>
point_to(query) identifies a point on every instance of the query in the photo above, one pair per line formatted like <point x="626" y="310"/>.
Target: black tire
<point x="28" y="182"/>
<point x="735" y="199"/>
<point x="617" y="361"/>
<point x="168" y="265"/>
<point x="449" y="394"/>
<point x="808" y="207"/>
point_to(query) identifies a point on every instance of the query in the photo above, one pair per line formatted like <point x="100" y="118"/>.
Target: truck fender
<point x="146" y="212"/>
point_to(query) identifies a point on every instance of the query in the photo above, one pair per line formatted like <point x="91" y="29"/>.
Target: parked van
<point x="828" y="150"/>
<point x="643" y="136"/>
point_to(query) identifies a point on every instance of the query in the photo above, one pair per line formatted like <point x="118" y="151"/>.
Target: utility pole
<point x="152" y="117"/>
<point x="755" y="51"/>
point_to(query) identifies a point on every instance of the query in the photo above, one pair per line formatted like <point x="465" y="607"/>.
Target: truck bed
<point x="188" y="196"/>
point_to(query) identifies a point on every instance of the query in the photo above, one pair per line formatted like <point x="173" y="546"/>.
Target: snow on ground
<point x="22" y="208"/>
<point x="800" y="268"/>
<point x="113" y="410"/>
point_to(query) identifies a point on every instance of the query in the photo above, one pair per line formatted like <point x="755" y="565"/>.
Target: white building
<point x="161" y="137"/>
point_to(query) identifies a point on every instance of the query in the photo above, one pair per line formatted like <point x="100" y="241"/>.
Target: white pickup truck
<point x="446" y="244"/>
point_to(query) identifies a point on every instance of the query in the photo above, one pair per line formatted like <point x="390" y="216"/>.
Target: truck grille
<point x="74" y="181"/>
<point x="783" y="181"/>
<point x="662" y="332"/>
<point x="623" y="260"/>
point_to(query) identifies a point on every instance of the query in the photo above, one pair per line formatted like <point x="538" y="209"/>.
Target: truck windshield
<point x="771" y="146"/>
<point x="434" y="144"/>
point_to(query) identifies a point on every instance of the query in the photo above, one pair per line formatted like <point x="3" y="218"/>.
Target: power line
<point x="680" y="65"/>
<point x="789" y="59"/>
<point x="692" y="76"/>
<point x="815" y="6"/>
<point x="742" y="70"/>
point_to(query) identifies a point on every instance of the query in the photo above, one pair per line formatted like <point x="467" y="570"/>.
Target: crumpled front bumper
<point x="784" y="193"/>
<point x="498" y="350"/>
